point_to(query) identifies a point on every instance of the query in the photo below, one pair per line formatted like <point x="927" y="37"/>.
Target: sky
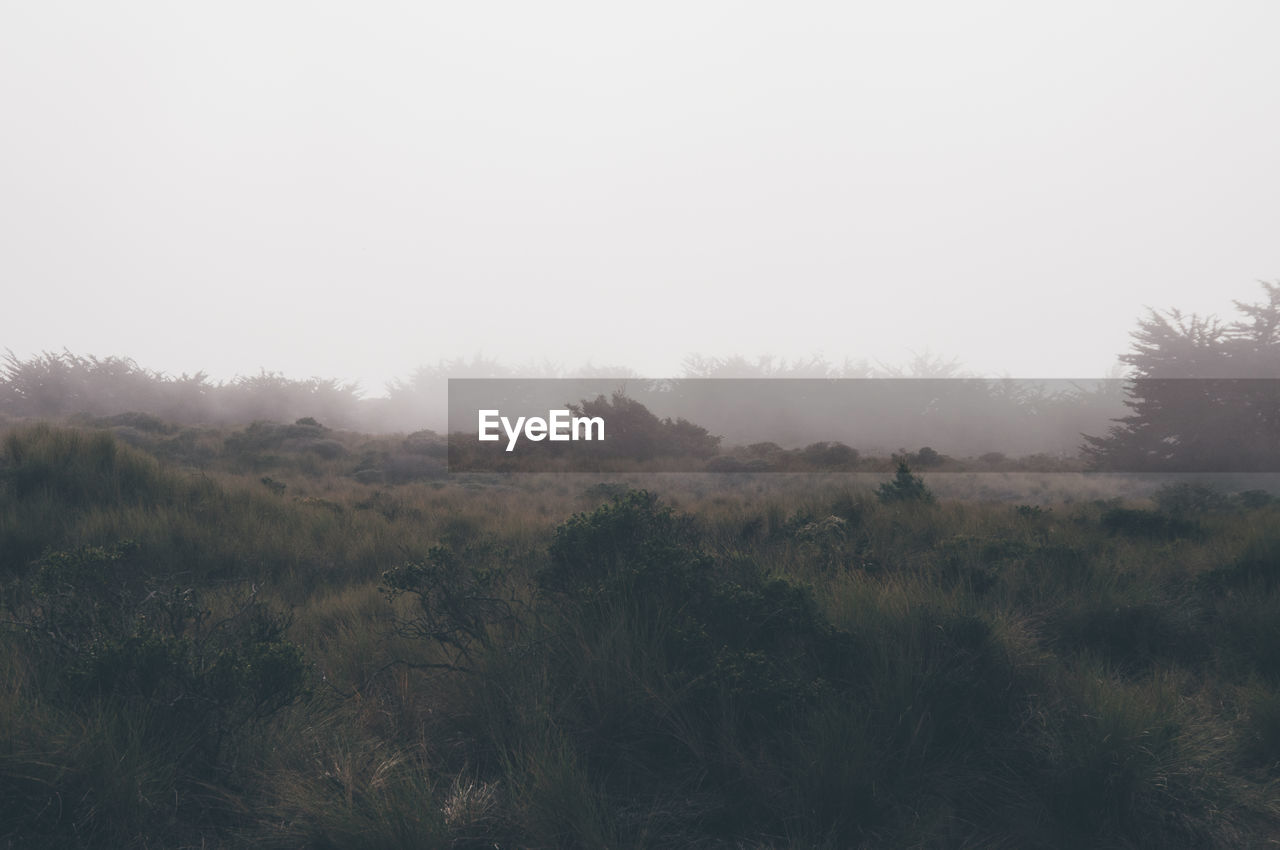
<point x="352" y="190"/>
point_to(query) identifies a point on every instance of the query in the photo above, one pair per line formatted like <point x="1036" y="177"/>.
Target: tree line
<point x="1201" y="395"/>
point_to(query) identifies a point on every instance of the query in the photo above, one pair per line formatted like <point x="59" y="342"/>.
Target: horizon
<point x="307" y="191"/>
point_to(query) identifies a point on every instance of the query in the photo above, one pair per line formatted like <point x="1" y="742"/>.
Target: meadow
<point x="286" y="636"/>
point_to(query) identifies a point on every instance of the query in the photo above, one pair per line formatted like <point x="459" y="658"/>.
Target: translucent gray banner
<point x="868" y="425"/>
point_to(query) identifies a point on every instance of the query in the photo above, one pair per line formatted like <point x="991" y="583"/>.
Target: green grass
<point x="757" y="661"/>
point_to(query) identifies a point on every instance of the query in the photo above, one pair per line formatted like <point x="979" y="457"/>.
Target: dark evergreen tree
<point x="904" y="487"/>
<point x="1204" y="395"/>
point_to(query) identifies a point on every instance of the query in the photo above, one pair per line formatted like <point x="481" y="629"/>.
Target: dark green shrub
<point x="306" y="428"/>
<point x="689" y="677"/>
<point x="626" y="538"/>
<point x="326" y="449"/>
<point x="142" y="696"/>
<point x="116" y="631"/>
<point x="1134" y="522"/>
<point x="1130" y="635"/>
<point x="1251" y="500"/>
<point x="928" y="457"/>
<point x="456" y="604"/>
<point x="1189" y="498"/>
<point x="827" y="455"/>
<point x="1118" y="768"/>
<point x="729" y="654"/>
<point x="904" y="487"/>
<point x="635" y="433"/>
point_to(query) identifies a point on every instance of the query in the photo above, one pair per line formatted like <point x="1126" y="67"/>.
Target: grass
<point x="756" y="661"/>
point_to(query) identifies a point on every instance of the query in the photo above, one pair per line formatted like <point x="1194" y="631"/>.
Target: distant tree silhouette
<point x="50" y="384"/>
<point x="1204" y="395"/>
<point x="63" y="384"/>
<point x="635" y="432"/>
<point x="768" y="366"/>
<point x="904" y="487"/>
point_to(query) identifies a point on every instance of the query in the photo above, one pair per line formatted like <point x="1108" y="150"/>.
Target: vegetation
<point x="904" y="487"/>
<point x="963" y="415"/>
<point x="53" y="385"/>
<point x="1204" y="395"/>
<point x="301" y="635"/>
<point x="230" y="638"/>
<point x="1201" y="395"/>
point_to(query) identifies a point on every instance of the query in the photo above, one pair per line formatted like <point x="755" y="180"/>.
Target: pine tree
<point x="1204" y="395"/>
<point x="904" y="487"/>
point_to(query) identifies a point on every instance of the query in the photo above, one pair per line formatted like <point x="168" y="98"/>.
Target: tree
<point x="636" y="433"/>
<point x="904" y="487"/>
<point x="1203" y="394"/>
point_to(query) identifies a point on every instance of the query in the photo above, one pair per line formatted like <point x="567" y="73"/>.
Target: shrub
<point x="1251" y="500"/>
<point x="456" y="604"/>
<point x="403" y="468"/>
<point x="1186" y="498"/>
<point x="928" y="457"/>
<point x="904" y="487"/>
<point x="138" y="421"/>
<point x="78" y="468"/>
<point x="138" y="692"/>
<point x="1120" y="768"/>
<point x="1130" y="635"/>
<point x="829" y="455"/>
<point x="661" y="644"/>
<point x="1135" y="522"/>
<point x="326" y="449"/>
<point x="114" y="630"/>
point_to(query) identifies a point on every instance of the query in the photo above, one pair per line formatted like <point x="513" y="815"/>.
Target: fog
<point x="353" y="191"/>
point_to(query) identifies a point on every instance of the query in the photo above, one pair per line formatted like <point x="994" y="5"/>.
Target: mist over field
<point x="319" y="190"/>
<point x="1199" y="395"/>
<point x="933" y="352"/>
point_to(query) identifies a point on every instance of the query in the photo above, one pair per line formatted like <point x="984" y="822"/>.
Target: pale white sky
<point x="350" y="190"/>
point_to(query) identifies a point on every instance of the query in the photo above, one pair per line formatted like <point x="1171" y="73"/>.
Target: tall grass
<point x="780" y="661"/>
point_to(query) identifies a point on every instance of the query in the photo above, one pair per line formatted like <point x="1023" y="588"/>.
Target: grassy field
<point x="286" y="636"/>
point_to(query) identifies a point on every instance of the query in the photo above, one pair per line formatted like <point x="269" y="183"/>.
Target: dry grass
<point x="1045" y="675"/>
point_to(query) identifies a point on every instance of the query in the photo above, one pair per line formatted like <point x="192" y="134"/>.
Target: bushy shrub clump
<point x="904" y="487"/>
<point x="138" y="661"/>
<point x="112" y="630"/>
<point x="695" y="698"/>
<point x="727" y="630"/>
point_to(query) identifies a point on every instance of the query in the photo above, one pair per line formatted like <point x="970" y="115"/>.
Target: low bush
<point x="136" y="662"/>
<point x="904" y="487"/>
